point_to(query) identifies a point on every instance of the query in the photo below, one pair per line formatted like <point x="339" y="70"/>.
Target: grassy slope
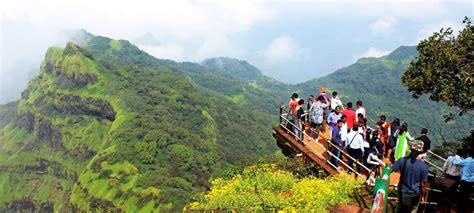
<point x="166" y="137"/>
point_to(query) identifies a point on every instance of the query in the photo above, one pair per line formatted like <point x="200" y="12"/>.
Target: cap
<point x="417" y="145"/>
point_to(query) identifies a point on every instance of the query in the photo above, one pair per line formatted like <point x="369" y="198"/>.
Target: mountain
<point x="376" y="82"/>
<point x="106" y="126"/>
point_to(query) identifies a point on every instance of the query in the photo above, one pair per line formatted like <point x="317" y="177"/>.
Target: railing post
<point x="281" y="113"/>
<point x="328" y="158"/>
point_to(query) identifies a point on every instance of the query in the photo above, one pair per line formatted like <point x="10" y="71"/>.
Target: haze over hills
<point x="107" y="126"/>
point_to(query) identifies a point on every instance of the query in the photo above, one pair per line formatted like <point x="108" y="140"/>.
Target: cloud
<point x="383" y="26"/>
<point x="165" y="51"/>
<point x="427" y="31"/>
<point x="374" y="52"/>
<point x="186" y="29"/>
<point x="283" y="48"/>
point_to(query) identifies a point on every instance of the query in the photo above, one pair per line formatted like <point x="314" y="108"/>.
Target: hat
<point x="322" y="90"/>
<point x="417" y="145"/>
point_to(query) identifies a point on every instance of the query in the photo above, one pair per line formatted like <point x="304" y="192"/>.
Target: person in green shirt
<point x="403" y="136"/>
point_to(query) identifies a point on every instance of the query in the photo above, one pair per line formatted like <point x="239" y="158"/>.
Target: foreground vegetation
<point x="267" y="187"/>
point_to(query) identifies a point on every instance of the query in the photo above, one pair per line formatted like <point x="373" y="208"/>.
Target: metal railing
<point x="430" y="154"/>
<point x="285" y="114"/>
<point x="300" y="134"/>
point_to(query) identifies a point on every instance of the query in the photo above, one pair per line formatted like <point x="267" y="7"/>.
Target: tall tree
<point x="444" y="69"/>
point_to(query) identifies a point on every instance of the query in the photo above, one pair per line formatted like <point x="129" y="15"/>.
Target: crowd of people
<point x="348" y="129"/>
<point x="349" y="132"/>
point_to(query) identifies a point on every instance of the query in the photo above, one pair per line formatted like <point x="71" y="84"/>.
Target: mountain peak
<point x="403" y="53"/>
<point x="78" y="36"/>
<point x="234" y="68"/>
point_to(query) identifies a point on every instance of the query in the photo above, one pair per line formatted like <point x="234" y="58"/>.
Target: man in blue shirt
<point x="334" y="117"/>
<point x="413" y="178"/>
<point x="336" y="140"/>
<point x="467" y="180"/>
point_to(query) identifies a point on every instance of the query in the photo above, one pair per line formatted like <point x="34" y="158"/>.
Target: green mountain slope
<point x="240" y="82"/>
<point x="376" y="82"/>
<point x="107" y="126"/>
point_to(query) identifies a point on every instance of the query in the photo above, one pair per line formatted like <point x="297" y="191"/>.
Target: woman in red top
<point x="385" y="133"/>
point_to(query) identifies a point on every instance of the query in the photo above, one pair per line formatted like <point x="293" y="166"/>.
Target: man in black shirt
<point x="426" y="143"/>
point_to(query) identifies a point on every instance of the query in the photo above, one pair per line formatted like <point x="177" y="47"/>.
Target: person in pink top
<point x="350" y="114"/>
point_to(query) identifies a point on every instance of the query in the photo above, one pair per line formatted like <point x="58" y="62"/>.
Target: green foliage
<point x="444" y="68"/>
<point x="265" y="187"/>
<point x="147" y="151"/>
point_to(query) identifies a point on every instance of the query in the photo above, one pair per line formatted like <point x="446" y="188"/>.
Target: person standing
<point x="293" y="105"/>
<point x="344" y="129"/>
<point x="355" y="145"/>
<point x="350" y="114"/>
<point x="360" y="109"/>
<point x="333" y="118"/>
<point x="386" y="132"/>
<point x="453" y="172"/>
<point x="316" y="116"/>
<point x="300" y="119"/>
<point x="335" y="101"/>
<point x="403" y="136"/>
<point x="413" y="178"/>
<point x="393" y="140"/>
<point x="326" y="100"/>
<point x="337" y="141"/>
<point x="426" y="145"/>
<point x="467" y="181"/>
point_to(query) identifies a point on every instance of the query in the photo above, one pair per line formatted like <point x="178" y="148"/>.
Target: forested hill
<point x="106" y="126"/>
<point x="376" y="82"/>
<point x="239" y="82"/>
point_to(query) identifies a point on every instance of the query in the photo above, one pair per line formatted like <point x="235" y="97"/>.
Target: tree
<point x="444" y="69"/>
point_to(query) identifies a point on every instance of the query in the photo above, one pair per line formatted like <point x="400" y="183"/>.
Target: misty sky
<point x="290" y="41"/>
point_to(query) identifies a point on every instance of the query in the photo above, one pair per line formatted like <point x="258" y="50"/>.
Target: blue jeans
<point x="356" y="154"/>
<point x="335" y="159"/>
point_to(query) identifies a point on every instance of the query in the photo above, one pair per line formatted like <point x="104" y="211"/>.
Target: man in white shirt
<point x="360" y="109"/>
<point x="335" y="101"/>
<point x="344" y="129"/>
<point x="453" y="171"/>
<point x="355" y="144"/>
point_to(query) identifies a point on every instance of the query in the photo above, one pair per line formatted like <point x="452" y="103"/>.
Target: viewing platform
<point x="295" y="142"/>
